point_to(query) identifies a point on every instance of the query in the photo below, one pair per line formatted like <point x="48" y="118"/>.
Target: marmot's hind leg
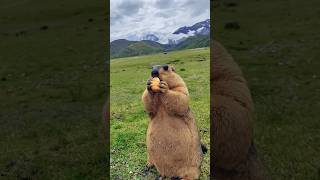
<point x="190" y="173"/>
<point x="147" y="167"/>
<point x="146" y="170"/>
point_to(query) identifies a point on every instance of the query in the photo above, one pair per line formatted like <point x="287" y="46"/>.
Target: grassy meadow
<point x="276" y="43"/>
<point x="52" y="89"/>
<point x="129" y="122"/>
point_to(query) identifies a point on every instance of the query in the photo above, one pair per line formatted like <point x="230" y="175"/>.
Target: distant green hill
<point x="141" y="48"/>
<point x="124" y="48"/>
<point x="193" y="42"/>
<point x="117" y="46"/>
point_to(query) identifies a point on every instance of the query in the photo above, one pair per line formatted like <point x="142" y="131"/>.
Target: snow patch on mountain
<point x="150" y="37"/>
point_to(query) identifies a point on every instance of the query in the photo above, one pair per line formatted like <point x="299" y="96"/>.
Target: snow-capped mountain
<point x="178" y="36"/>
<point x="202" y="28"/>
<point x="150" y="37"/>
<point x="181" y="34"/>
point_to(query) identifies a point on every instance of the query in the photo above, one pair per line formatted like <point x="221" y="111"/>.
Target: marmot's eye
<point x="165" y="67"/>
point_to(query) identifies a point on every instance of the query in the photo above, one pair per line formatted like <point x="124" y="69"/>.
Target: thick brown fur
<point x="173" y="143"/>
<point x="232" y="114"/>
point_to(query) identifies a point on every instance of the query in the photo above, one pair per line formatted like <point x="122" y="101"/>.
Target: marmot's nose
<point x="155" y="73"/>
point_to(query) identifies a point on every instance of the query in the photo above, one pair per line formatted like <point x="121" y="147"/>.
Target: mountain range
<point x="202" y="28"/>
<point x="194" y="36"/>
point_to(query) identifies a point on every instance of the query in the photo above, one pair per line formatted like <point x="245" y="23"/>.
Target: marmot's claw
<point x="146" y="170"/>
<point x="149" y="85"/>
<point x="176" y="178"/>
<point x="163" y="87"/>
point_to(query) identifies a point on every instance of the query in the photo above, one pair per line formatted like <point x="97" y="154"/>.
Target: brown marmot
<point x="232" y="115"/>
<point x="173" y="143"/>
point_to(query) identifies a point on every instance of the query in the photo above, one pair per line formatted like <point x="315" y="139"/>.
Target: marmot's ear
<point x="173" y="69"/>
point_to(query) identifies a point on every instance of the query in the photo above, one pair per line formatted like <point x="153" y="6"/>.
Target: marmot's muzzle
<point x="155" y="71"/>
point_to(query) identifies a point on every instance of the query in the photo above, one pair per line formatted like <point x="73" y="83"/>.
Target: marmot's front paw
<point x="164" y="87"/>
<point x="149" y="85"/>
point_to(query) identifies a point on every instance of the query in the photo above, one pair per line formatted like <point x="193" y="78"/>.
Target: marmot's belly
<point x="173" y="145"/>
<point x="169" y="140"/>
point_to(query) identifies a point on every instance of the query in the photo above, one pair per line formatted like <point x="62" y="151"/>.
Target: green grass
<point x="52" y="89"/>
<point x="277" y="47"/>
<point x="129" y="122"/>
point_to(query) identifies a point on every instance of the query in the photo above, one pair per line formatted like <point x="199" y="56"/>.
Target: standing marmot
<point x="173" y="142"/>
<point x="232" y="115"/>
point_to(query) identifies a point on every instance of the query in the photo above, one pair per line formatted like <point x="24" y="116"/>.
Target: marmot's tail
<point x="204" y="148"/>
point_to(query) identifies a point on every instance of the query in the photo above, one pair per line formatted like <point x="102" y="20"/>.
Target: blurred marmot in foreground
<point x="232" y="115"/>
<point x="173" y="142"/>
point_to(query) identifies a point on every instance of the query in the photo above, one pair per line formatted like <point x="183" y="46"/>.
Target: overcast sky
<point x="131" y="19"/>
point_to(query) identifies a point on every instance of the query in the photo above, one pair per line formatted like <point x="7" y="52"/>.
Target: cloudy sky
<point x="131" y="19"/>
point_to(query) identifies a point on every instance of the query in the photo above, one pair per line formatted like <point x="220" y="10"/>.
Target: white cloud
<point x="131" y="19"/>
